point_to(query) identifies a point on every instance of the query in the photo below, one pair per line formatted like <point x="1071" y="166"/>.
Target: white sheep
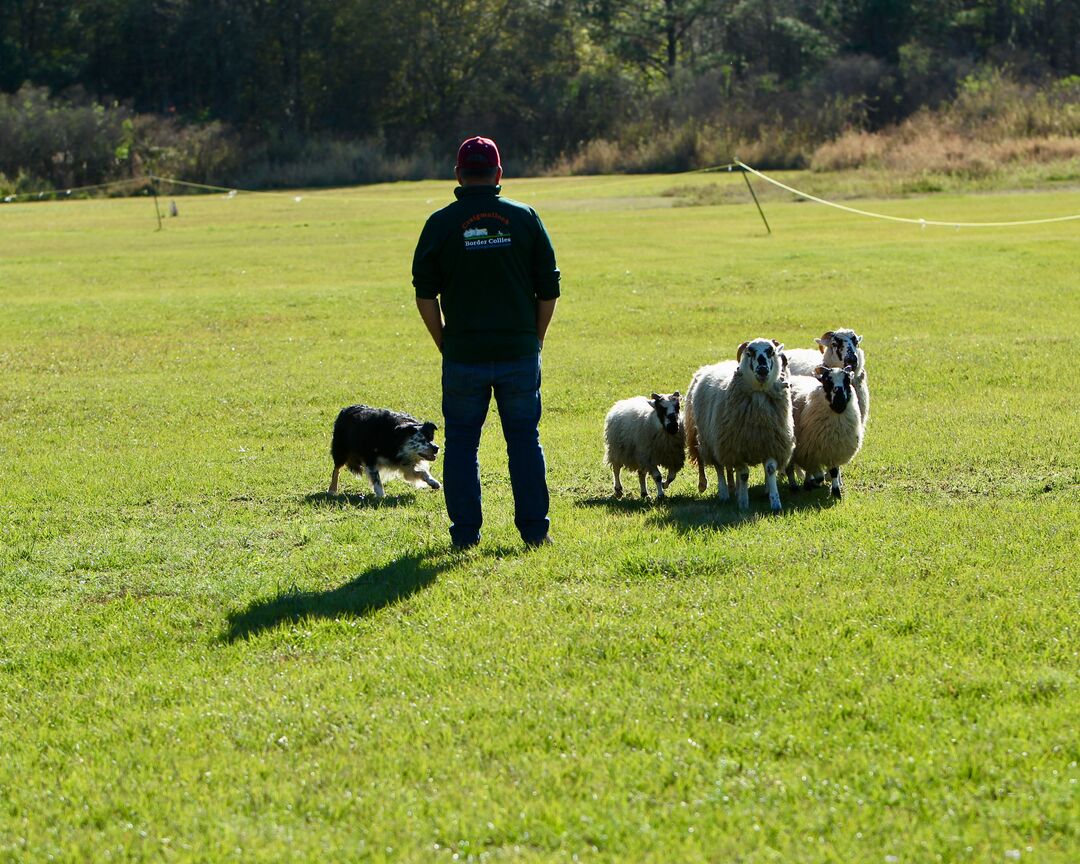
<point x="836" y="348"/>
<point x="828" y="428"/>
<point x="645" y="435"/>
<point x="739" y="414"/>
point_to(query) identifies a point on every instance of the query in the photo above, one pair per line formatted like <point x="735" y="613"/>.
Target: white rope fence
<point x="909" y="221"/>
<point x="66" y="193"/>
<point x="232" y="192"/>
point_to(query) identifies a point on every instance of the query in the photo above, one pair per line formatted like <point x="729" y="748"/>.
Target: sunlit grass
<point x="204" y="658"/>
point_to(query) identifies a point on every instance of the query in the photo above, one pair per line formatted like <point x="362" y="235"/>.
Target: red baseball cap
<point x="478" y="153"/>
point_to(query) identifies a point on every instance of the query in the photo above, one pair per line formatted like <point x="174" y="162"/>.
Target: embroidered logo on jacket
<point x="479" y="237"/>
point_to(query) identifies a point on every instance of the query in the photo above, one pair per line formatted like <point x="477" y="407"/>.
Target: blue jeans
<point x="467" y="389"/>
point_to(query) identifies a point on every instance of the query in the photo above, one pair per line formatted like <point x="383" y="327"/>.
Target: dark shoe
<point x="543" y="541"/>
<point x="464" y="547"/>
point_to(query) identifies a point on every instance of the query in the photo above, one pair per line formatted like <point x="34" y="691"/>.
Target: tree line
<point x="545" y="77"/>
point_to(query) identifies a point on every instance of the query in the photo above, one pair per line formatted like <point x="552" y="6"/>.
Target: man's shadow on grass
<point x="369" y="592"/>
<point x="689" y="511"/>
<point x="372" y="590"/>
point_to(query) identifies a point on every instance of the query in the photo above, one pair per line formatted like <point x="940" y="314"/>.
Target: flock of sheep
<point x="801" y="410"/>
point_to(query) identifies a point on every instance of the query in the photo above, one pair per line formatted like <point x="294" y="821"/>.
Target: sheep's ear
<point x="656" y="397"/>
<point x="676" y="395"/>
<point x="820" y="372"/>
<point x="779" y="346"/>
<point x="858" y="338"/>
<point x="739" y="352"/>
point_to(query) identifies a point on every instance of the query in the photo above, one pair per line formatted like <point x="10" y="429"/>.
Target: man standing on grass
<point x="490" y="262"/>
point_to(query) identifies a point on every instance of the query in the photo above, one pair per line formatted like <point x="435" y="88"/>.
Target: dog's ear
<point x="429" y="430"/>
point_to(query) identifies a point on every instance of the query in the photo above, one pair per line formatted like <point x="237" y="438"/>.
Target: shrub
<point x="58" y="141"/>
<point x="334" y="162"/>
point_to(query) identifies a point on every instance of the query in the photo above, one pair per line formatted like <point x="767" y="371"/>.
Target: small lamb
<point x="828" y="428"/>
<point x="645" y="435"/>
<point x="739" y="414"/>
<point x="836" y="348"/>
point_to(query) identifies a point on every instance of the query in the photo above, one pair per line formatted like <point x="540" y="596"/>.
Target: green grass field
<point x="203" y="658"/>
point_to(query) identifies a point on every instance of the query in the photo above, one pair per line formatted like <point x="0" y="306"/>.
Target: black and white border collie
<point x="374" y="440"/>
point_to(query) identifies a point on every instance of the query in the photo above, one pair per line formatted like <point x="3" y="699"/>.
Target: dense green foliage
<point x="411" y="78"/>
<point x="203" y="658"/>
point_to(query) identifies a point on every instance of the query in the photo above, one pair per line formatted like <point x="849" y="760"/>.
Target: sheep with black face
<point x="837" y="349"/>
<point x="828" y="426"/>
<point x="645" y="435"/>
<point x="739" y="414"/>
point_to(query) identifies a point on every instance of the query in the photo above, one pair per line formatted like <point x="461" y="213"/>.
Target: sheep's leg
<point x="333" y="481"/>
<point x="723" y="493"/>
<point x="730" y="479"/>
<point x="702" y="480"/>
<point x="658" y="479"/>
<point x="617" y="470"/>
<point x="742" y="484"/>
<point x="376" y="481"/>
<point x="813" y="480"/>
<point x="770" y="485"/>
<point x="641" y="480"/>
<point x="792" y="480"/>
<point x="670" y="476"/>
<point x="837" y="485"/>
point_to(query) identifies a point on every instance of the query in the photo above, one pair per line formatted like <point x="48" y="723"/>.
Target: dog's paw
<point x="435" y="485"/>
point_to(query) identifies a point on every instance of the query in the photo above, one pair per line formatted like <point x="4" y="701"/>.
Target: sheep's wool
<point x="737" y="423"/>
<point x="823" y="438"/>
<point x="635" y="439"/>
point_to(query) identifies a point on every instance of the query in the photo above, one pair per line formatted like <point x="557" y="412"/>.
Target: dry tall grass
<point x="689" y="147"/>
<point x="993" y="124"/>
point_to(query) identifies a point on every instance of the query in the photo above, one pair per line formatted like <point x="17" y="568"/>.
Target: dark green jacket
<point x="489" y="260"/>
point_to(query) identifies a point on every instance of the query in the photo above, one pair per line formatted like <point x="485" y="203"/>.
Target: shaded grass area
<point x="205" y="658"/>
